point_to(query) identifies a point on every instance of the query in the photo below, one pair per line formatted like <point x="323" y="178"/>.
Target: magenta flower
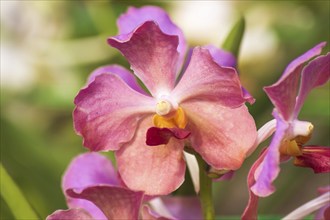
<point x="291" y="134"/>
<point x="202" y="108"/>
<point x="93" y="190"/>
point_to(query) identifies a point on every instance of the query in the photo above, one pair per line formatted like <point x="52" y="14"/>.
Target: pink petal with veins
<point x="315" y="74"/>
<point x="152" y="54"/>
<point x="251" y="210"/>
<point x="226" y="59"/>
<point x="108" y="111"/>
<point x="221" y="57"/>
<point x="85" y="170"/>
<point x="222" y="136"/>
<point x="283" y="93"/>
<point x="115" y="202"/>
<point x="135" y="17"/>
<point x="204" y="79"/>
<point x="120" y="71"/>
<point x="268" y="170"/>
<point x="70" y="214"/>
<point x="157" y="170"/>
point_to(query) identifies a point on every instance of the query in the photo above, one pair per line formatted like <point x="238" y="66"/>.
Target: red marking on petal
<point x="315" y="157"/>
<point x="326" y="213"/>
<point x="157" y="136"/>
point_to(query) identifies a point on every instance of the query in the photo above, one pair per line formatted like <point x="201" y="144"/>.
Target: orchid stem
<point x="205" y="193"/>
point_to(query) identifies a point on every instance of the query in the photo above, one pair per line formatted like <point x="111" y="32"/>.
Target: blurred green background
<point x="48" y="48"/>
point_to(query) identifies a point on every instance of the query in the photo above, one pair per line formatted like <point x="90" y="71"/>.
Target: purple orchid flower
<point x="93" y="190"/>
<point x="202" y="109"/>
<point x="291" y="134"/>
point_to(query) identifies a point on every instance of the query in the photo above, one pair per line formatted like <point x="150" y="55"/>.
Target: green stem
<point x="205" y="193"/>
<point x="14" y="198"/>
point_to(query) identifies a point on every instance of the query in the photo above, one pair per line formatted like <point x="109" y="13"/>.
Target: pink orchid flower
<point x="93" y="190"/>
<point x="202" y="108"/>
<point x="291" y="134"/>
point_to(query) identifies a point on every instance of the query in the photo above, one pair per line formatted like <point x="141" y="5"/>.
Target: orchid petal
<point x="149" y="214"/>
<point x="86" y="170"/>
<point x="157" y="136"/>
<point x="315" y="157"/>
<point x="222" y="57"/>
<point x="323" y="189"/>
<point x="227" y="176"/>
<point x="183" y="207"/>
<point x="227" y="59"/>
<point x="77" y="214"/>
<point x="315" y="74"/>
<point x="159" y="208"/>
<point x="251" y="210"/>
<point x="204" y="79"/>
<point x="115" y="202"/>
<point x="247" y="96"/>
<point x="283" y="93"/>
<point x="120" y="71"/>
<point x="222" y="136"/>
<point x="269" y="168"/>
<point x="309" y="207"/>
<point x="134" y="17"/>
<point x="193" y="168"/>
<point x="108" y="111"/>
<point x="263" y="134"/>
<point x="157" y="170"/>
<point x="323" y="213"/>
<point x="316" y="50"/>
<point x="89" y="169"/>
<point x="152" y="55"/>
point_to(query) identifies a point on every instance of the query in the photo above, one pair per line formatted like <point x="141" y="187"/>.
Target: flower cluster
<point x="175" y="100"/>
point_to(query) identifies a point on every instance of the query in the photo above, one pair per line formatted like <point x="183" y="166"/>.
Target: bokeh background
<point x="48" y="48"/>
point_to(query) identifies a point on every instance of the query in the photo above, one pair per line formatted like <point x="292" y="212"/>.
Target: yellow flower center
<point x="290" y="148"/>
<point x="293" y="147"/>
<point x="168" y="117"/>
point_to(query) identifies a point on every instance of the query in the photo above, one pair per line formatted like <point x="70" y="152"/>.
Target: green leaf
<point x="14" y="198"/>
<point x="234" y="38"/>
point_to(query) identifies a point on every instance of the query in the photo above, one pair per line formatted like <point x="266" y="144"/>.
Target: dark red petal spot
<point x="326" y="213"/>
<point x="157" y="136"/>
<point x="315" y="157"/>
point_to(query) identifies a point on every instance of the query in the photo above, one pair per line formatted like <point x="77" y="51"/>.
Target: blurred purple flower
<point x="93" y="190"/>
<point x="204" y="107"/>
<point x="291" y="134"/>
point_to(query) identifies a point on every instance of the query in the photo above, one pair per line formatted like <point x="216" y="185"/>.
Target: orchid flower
<point x="93" y="190"/>
<point x="201" y="109"/>
<point x="290" y="133"/>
